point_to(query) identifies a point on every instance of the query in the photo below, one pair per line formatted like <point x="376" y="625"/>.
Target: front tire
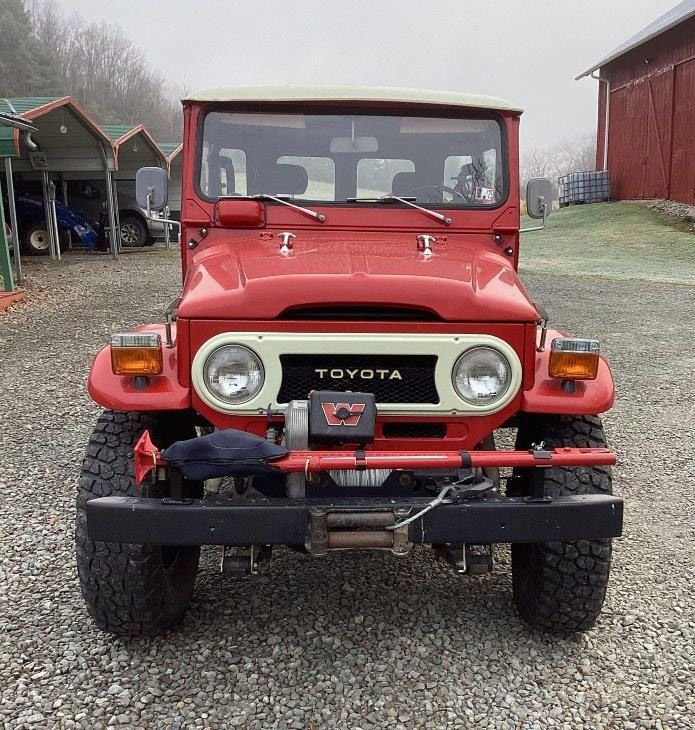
<point x="130" y="590"/>
<point x="561" y="586"/>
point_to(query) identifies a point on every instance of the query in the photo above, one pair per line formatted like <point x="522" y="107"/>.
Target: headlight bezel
<point x="501" y="395"/>
<point x="217" y="395"/>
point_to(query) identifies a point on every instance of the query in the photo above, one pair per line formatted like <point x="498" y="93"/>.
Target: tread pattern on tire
<point x="129" y="589"/>
<point x="562" y="586"/>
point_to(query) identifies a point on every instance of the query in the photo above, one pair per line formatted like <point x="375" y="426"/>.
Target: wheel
<point x="130" y="590"/>
<point x="134" y="233"/>
<point x="561" y="586"/>
<point x="36" y="241"/>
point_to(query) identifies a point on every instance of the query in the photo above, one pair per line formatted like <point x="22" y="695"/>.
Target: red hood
<point x="250" y="279"/>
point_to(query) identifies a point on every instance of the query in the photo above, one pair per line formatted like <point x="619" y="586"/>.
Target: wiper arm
<point x="266" y="196"/>
<point x="406" y="201"/>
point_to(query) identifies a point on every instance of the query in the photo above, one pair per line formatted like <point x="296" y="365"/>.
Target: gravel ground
<point x="351" y="641"/>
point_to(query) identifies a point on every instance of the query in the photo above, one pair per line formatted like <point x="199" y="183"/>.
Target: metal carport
<point x="174" y="158"/>
<point x="68" y="142"/>
<point x="10" y="120"/>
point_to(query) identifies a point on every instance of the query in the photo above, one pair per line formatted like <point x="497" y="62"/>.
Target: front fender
<point x="590" y="397"/>
<point x="117" y="393"/>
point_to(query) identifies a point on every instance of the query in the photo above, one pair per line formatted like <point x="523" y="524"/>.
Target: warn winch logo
<point x="343" y="414"/>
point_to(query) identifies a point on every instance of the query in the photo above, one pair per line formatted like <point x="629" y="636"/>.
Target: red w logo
<point x="343" y="414"/>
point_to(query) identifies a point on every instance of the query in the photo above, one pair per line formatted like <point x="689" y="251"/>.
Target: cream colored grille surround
<point x="270" y="345"/>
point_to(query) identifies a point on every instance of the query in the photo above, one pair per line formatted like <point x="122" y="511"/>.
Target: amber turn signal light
<point x="574" y="359"/>
<point x="136" y="353"/>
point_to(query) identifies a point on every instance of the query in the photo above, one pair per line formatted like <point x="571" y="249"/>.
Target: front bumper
<point x="261" y="521"/>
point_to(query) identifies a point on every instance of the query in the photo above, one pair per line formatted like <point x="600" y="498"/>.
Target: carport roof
<point x="171" y="150"/>
<point x="120" y="133"/>
<point x="33" y="107"/>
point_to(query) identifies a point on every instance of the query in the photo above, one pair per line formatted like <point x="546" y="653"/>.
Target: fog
<point x="527" y="52"/>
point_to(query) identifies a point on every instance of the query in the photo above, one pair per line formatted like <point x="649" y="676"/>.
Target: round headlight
<point x="482" y="376"/>
<point x="233" y="374"/>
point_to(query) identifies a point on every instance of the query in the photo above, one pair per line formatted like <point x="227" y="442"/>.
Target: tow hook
<point x="467" y="559"/>
<point x="239" y="562"/>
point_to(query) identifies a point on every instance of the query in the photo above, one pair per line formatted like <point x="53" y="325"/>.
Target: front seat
<point x="403" y="183"/>
<point x="285" y="179"/>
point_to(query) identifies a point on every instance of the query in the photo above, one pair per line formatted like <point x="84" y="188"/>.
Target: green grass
<point x="614" y="240"/>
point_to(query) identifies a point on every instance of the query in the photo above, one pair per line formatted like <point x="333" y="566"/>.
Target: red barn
<point x="646" y="120"/>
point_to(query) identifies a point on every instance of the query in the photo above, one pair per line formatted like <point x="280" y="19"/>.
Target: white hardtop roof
<point x="350" y="93"/>
<point x="682" y="12"/>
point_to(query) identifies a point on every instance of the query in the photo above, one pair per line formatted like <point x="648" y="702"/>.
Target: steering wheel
<point x="432" y="198"/>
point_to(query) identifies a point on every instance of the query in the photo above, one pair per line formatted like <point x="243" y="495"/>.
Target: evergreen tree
<point x="25" y="66"/>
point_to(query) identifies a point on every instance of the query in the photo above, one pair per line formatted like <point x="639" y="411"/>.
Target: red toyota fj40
<point x="351" y="333"/>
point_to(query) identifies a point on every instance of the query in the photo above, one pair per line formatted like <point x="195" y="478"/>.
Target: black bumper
<point x="221" y="521"/>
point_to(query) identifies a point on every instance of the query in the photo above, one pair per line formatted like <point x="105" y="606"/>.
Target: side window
<point x="375" y="177"/>
<point x="454" y="166"/>
<point x="490" y="159"/>
<point x="233" y="172"/>
<point x="222" y="172"/>
<point x="321" y="174"/>
<point x="474" y="178"/>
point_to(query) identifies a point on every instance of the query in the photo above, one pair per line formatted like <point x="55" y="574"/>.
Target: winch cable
<point x="460" y="489"/>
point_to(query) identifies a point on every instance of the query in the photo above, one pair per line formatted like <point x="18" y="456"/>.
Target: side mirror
<point x="151" y="189"/>
<point x="539" y="198"/>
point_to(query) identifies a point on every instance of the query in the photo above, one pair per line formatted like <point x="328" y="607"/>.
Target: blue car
<point x="33" y="236"/>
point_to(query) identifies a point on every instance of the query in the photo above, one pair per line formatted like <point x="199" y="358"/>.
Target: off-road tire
<point x="130" y="590"/>
<point x="561" y="586"/>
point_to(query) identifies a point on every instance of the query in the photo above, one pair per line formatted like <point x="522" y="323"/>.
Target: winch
<point x="331" y="418"/>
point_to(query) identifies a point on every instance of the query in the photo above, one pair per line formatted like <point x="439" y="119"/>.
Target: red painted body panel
<point x="164" y="393"/>
<point x="461" y="432"/>
<point x="652" y="113"/>
<point x="591" y="397"/>
<point x="243" y="275"/>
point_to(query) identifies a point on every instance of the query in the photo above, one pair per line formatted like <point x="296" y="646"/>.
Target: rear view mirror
<point x="151" y="188"/>
<point x="354" y="145"/>
<point x="539" y="197"/>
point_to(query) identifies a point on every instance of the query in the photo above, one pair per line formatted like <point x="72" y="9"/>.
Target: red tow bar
<point x="147" y="458"/>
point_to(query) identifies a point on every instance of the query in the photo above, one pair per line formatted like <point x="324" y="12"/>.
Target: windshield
<point x="330" y="158"/>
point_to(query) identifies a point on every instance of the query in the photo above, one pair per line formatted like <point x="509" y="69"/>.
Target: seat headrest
<point x="287" y="179"/>
<point x="403" y="182"/>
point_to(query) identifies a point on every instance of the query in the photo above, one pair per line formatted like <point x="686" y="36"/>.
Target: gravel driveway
<point x="350" y="641"/>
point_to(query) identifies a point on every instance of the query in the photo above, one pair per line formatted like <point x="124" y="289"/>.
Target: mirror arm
<point x="150" y="217"/>
<point x="544" y="205"/>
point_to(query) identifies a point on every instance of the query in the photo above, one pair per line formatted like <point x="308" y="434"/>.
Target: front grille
<point x="414" y="382"/>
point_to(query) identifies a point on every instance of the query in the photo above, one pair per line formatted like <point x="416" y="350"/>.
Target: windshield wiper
<point x="278" y="199"/>
<point x="406" y="201"/>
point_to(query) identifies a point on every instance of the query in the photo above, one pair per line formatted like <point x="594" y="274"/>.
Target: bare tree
<point x="105" y="71"/>
<point x="571" y="155"/>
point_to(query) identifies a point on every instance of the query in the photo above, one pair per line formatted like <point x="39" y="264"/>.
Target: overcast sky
<point x="527" y="51"/>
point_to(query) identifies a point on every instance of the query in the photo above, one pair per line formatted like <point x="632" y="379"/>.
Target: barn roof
<point x="682" y="12"/>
